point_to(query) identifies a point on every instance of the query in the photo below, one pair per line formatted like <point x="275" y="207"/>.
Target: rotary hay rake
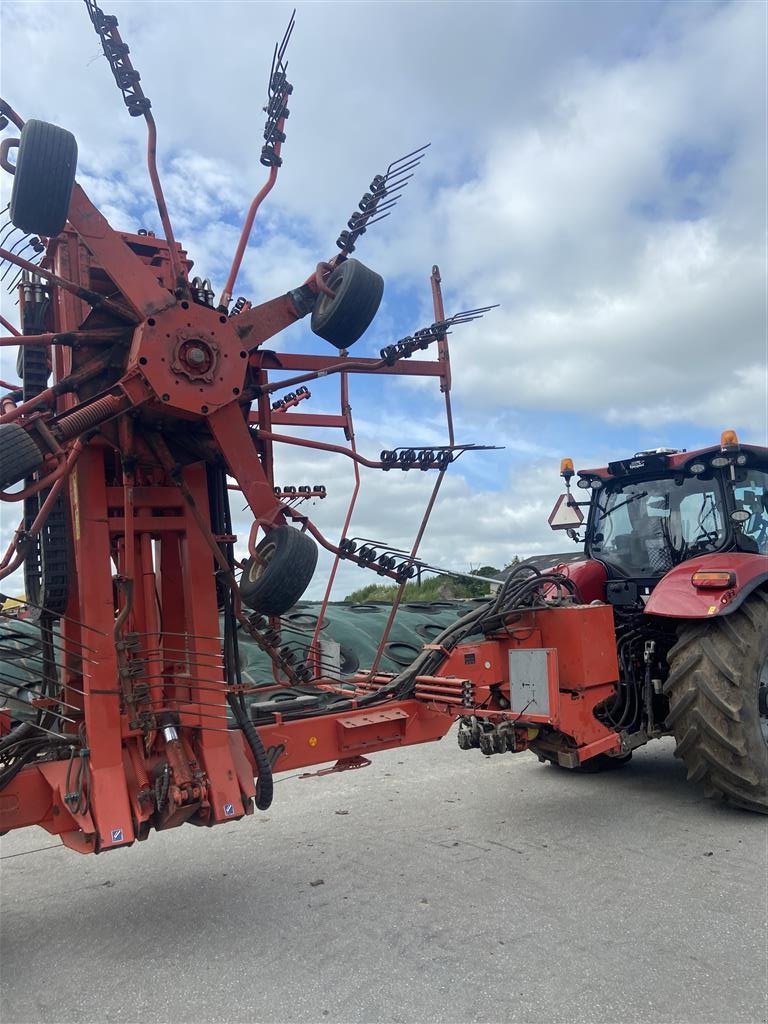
<point x="142" y="400"/>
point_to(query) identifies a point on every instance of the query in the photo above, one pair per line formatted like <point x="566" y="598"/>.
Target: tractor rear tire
<point x="19" y="455"/>
<point x="717" y="693"/>
<point x="45" y="175"/>
<point x="275" y="580"/>
<point x="346" y="317"/>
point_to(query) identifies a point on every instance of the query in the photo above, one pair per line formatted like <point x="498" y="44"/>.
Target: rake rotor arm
<point x="278" y="91"/>
<point x="443" y="352"/>
<point x="141" y="293"/>
<point x="230" y="432"/>
<point x="180" y="283"/>
<point x="137" y="283"/>
<point x="128" y="79"/>
<point x="237" y="259"/>
<point x="264" y="321"/>
<point x="91" y="297"/>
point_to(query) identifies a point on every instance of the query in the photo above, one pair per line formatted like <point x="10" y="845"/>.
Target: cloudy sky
<point x="597" y="169"/>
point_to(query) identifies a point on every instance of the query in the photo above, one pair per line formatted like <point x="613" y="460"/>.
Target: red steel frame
<point x="142" y="680"/>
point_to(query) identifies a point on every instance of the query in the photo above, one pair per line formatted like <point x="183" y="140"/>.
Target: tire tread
<point x="710" y="703"/>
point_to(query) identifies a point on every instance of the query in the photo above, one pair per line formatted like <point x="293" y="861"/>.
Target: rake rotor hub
<point x="195" y="358"/>
<point x="191" y="358"/>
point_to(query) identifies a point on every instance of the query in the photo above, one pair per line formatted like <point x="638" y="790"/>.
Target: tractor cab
<point x="677" y="543"/>
<point x="648" y="513"/>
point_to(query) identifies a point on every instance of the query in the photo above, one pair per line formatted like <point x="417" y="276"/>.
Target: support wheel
<point x="45" y="175"/>
<point x="19" y="455"/>
<point x="718" y="703"/>
<point x="343" y="319"/>
<point x="275" y="580"/>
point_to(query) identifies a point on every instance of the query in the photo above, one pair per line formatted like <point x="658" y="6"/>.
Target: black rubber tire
<point x="19" y="455"/>
<point x="46" y="163"/>
<point x="346" y="317"/>
<point x="275" y="582"/>
<point x="713" y="688"/>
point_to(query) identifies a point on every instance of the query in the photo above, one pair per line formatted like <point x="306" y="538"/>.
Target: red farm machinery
<point x="144" y="403"/>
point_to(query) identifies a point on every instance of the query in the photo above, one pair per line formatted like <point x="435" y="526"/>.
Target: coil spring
<point x="82" y="419"/>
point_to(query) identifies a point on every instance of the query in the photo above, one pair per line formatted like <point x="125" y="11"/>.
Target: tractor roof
<point x="663" y="460"/>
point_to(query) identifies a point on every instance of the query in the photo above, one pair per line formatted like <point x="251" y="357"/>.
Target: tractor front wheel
<point x="718" y="703"/>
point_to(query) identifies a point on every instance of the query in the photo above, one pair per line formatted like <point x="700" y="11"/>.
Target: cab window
<point x="750" y="493"/>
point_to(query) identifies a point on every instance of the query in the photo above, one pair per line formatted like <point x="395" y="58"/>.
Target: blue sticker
<point x="229" y="810"/>
<point x="117" y="835"/>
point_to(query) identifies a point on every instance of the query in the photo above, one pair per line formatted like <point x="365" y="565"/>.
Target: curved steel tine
<point x="369" y="222"/>
<point x="287" y="36"/>
<point x="14" y="282"/>
<point x="416" y="155"/>
<point x="10" y="266"/>
<point x="9" y="234"/>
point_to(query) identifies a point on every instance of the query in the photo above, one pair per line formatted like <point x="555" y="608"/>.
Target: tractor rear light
<point x="595" y="484"/>
<point x="713" y="579"/>
<point x="720" y="461"/>
<point x="696" y="468"/>
<point x="583" y="481"/>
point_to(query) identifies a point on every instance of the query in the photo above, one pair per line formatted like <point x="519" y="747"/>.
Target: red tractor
<point x="675" y="543"/>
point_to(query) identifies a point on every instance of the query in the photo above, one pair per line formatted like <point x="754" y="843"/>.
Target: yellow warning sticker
<point x="712" y="609"/>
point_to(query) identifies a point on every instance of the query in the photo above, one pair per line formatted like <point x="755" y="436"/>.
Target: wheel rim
<point x="762" y="700"/>
<point x="260" y="562"/>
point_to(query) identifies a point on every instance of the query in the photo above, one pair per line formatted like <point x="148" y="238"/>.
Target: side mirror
<point x="566" y="515"/>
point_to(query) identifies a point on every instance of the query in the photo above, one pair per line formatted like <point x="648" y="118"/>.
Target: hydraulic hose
<point x="264" y="781"/>
<point x="221" y="522"/>
<point x="19" y="732"/>
<point x="483" y="619"/>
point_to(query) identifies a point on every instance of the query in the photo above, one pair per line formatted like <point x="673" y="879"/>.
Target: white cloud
<point x="597" y="168"/>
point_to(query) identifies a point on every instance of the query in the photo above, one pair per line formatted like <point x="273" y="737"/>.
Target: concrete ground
<point x="435" y="885"/>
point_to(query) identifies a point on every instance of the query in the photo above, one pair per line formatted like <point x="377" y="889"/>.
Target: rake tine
<point x="8" y="234"/>
<point x="11" y="266"/>
<point x="30" y="686"/>
<point x="375" y="220"/>
<point x="286" y="37"/>
<point x="416" y="153"/>
<point x="56" y="642"/>
<point x="12" y="285"/>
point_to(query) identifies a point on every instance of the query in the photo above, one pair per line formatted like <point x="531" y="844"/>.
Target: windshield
<point x="646" y="527"/>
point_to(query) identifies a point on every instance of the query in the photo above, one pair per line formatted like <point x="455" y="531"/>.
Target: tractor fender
<point x="675" y="596"/>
